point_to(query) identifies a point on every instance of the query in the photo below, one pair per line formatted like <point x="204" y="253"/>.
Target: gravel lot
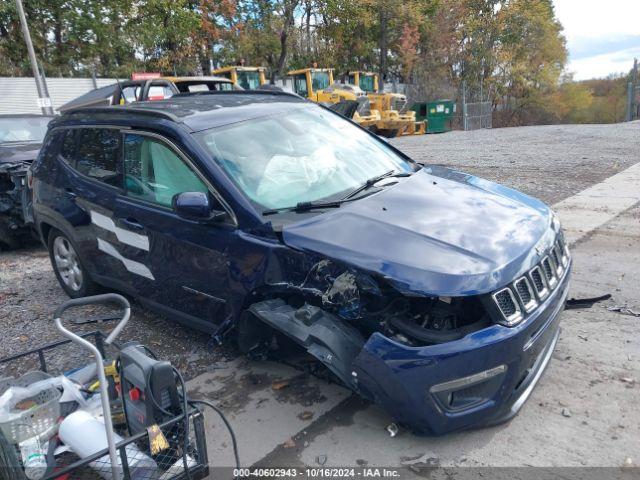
<point x="549" y="162"/>
<point x="30" y="293"/>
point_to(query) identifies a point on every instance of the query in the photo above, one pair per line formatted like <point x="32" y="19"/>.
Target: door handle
<point x="131" y="223"/>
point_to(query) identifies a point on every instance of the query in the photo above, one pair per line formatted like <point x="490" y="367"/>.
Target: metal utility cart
<point x="121" y="459"/>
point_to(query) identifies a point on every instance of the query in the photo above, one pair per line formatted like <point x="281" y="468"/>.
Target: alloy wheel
<point x="67" y="263"/>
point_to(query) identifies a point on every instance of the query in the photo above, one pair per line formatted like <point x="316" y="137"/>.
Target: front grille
<point x="537" y="277"/>
<point x="556" y="256"/>
<point x="549" y="271"/>
<point x="525" y="294"/>
<point x="560" y="252"/>
<point x="508" y="305"/>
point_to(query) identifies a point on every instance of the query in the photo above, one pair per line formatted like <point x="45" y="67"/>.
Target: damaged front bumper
<point x="479" y="380"/>
<point x="16" y="212"/>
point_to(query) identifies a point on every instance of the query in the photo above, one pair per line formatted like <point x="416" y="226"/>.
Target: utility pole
<point x="44" y="102"/>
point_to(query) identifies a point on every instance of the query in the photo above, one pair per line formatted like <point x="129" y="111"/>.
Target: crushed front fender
<point x="479" y="380"/>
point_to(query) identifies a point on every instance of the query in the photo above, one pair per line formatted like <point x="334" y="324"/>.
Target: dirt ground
<point x="584" y="412"/>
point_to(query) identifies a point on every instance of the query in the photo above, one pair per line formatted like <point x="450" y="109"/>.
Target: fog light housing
<point x="466" y="392"/>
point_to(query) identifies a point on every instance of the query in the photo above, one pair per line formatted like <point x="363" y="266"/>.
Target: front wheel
<point x="70" y="272"/>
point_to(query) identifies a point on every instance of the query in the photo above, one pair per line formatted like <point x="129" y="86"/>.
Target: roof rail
<point x="125" y="109"/>
<point x="256" y="91"/>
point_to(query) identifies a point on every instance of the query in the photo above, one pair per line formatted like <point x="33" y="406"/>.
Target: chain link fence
<point x="477" y="115"/>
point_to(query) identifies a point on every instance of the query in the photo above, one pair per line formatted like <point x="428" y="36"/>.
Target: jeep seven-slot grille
<point x="557" y="259"/>
<point x="506" y="302"/>
<point x="508" y="305"/>
<point x="526" y="293"/>
<point x="538" y="281"/>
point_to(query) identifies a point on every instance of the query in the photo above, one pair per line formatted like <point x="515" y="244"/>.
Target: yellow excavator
<point x="317" y="85"/>
<point x="394" y="119"/>
<point x="249" y="78"/>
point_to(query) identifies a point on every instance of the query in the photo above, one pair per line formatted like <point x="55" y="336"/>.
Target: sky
<point x="603" y="36"/>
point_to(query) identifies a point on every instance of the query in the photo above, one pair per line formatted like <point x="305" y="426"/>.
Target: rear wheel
<point x="70" y="272"/>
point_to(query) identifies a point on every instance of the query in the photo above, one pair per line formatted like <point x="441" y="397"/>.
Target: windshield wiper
<point x="306" y="206"/>
<point x="303" y="207"/>
<point x="372" y="181"/>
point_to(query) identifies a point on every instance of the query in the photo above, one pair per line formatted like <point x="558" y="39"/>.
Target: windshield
<point x="28" y="129"/>
<point x="303" y="155"/>
<point x="366" y="82"/>
<point x="319" y="80"/>
<point x="249" y="80"/>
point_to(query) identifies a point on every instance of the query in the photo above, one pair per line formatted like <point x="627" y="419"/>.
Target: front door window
<point x="156" y="173"/>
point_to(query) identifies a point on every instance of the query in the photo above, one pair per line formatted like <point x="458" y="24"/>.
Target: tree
<point x="530" y="55"/>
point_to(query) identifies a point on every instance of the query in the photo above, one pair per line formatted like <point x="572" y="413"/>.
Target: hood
<point x="438" y="232"/>
<point x="19" y="152"/>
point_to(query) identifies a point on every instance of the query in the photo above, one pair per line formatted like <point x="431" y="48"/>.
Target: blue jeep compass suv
<point x="432" y="292"/>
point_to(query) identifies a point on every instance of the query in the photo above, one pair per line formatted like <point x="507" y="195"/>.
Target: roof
<point x="204" y="110"/>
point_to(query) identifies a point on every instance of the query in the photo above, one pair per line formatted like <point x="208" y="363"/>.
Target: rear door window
<point x="68" y="147"/>
<point x="98" y="155"/>
<point x="156" y="173"/>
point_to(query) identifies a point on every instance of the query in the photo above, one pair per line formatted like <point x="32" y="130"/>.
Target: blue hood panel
<point x="438" y="232"/>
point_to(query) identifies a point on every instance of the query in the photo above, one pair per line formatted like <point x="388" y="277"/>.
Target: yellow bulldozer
<point x="395" y="120"/>
<point x="317" y="85"/>
<point x="249" y="78"/>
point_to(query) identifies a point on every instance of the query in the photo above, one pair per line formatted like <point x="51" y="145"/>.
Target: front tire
<point x="69" y="269"/>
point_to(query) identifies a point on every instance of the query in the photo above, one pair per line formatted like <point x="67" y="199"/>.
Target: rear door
<point x="181" y="265"/>
<point x="94" y="182"/>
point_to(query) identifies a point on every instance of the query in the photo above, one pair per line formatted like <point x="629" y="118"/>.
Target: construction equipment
<point x="395" y="120"/>
<point x="249" y="78"/>
<point x="317" y="85"/>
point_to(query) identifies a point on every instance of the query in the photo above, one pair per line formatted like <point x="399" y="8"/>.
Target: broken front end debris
<point x="16" y="217"/>
<point x="436" y="364"/>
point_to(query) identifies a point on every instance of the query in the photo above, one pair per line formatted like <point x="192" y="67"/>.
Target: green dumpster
<point x="438" y="114"/>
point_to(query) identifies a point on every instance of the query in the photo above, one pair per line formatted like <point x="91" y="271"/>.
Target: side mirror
<point x="196" y="206"/>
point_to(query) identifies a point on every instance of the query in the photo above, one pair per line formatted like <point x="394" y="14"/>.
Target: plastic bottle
<point x="34" y="459"/>
<point x="85" y="435"/>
